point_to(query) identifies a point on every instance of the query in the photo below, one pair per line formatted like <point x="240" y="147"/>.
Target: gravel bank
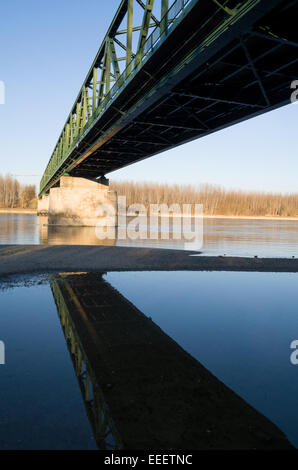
<point x="21" y="259"/>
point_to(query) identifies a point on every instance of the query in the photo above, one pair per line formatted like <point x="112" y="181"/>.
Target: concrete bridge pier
<point x="79" y="202"/>
<point x="43" y="205"/>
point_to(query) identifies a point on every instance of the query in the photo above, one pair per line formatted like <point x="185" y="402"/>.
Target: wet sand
<point x="22" y="259"/>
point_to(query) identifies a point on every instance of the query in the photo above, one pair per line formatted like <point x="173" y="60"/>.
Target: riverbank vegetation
<point x="215" y="199"/>
<point x="15" y="195"/>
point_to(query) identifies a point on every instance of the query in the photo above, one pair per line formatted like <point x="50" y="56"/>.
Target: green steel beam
<point x="164" y="16"/>
<point x="135" y="28"/>
<point x="108" y="67"/>
<point x="114" y="59"/>
<point x="94" y="90"/>
<point x="145" y="28"/>
<point x="129" y="37"/>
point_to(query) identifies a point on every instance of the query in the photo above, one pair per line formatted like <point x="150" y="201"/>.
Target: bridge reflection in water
<point x="140" y="388"/>
<point x="146" y="235"/>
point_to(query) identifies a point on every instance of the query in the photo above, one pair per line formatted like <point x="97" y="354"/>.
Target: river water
<point x="242" y="335"/>
<point x="239" y="325"/>
<point x="231" y="237"/>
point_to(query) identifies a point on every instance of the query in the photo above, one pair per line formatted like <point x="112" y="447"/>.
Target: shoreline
<point x="19" y="211"/>
<point x="250" y="217"/>
<point x="231" y="217"/>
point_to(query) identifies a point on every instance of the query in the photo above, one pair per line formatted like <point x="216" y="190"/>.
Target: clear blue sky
<point x="46" y="50"/>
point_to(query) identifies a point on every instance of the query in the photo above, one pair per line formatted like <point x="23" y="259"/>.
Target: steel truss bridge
<point x="168" y="72"/>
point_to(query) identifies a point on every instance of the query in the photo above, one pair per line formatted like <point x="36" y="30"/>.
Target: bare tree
<point x="215" y="199"/>
<point x="13" y="194"/>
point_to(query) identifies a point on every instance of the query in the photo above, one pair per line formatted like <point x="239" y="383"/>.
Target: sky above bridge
<point x="46" y="50"/>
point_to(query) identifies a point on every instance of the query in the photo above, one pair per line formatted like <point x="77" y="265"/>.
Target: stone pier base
<point x="81" y="202"/>
<point x="43" y="205"/>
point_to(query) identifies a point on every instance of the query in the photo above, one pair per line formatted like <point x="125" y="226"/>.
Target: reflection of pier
<point x="69" y="235"/>
<point x="141" y="389"/>
<point x="150" y="236"/>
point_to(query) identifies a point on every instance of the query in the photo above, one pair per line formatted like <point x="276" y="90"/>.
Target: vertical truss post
<point x="114" y="59"/>
<point x="67" y="135"/>
<point x="85" y="108"/>
<point x="71" y="122"/>
<point x="62" y="145"/>
<point x="102" y="78"/>
<point x="78" y="118"/>
<point x="164" y="17"/>
<point x="144" y="29"/>
<point x="108" y="67"/>
<point x="88" y="106"/>
<point x="94" y="89"/>
<point x="129" y="37"/>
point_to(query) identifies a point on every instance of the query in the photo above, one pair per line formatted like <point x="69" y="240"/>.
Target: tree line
<point x="13" y="194"/>
<point x="216" y="200"/>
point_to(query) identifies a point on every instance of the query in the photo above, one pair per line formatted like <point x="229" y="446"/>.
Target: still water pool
<point x="238" y="325"/>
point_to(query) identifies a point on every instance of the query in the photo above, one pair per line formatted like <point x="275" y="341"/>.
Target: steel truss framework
<point x="199" y="66"/>
<point x="98" y="413"/>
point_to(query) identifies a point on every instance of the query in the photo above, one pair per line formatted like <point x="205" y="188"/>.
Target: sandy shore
<point x="22" y="259"/>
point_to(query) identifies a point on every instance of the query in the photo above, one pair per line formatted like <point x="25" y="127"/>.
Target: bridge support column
<point x="43" y="205"/>
<point x="81" y="202"/>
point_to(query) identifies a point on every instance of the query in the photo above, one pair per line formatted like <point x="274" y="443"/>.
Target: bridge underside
<point x="188" y="91"/>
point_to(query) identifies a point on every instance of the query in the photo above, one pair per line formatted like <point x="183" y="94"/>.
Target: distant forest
<point x="216" y="200"/>
<point x="16" y="195"/>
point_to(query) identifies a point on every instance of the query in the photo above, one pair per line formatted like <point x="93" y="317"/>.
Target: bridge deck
<point x="208" y="69"/>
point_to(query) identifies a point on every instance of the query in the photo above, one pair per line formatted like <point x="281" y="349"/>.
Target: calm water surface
<point x="40" y="401"/>
<point x="235" y="237"/>
<point x="238" y="325"/>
